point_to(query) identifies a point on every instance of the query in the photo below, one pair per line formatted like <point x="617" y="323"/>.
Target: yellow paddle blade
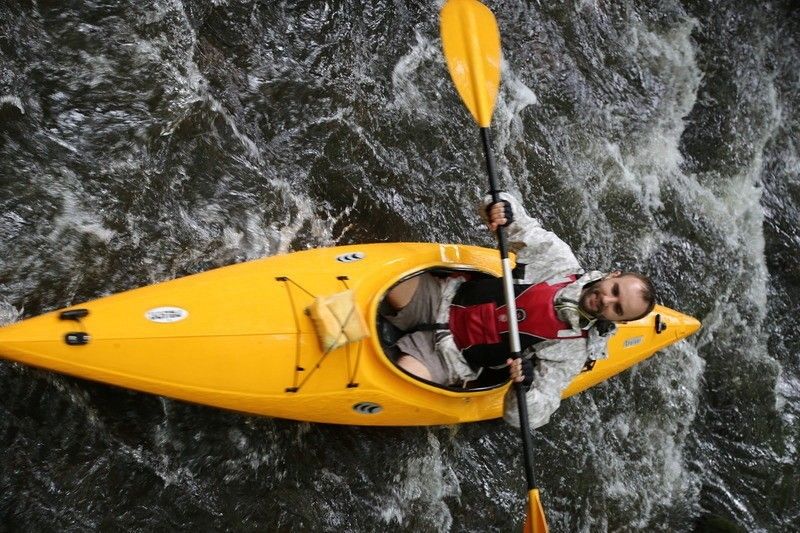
<point x="471" y="43"/>
<point x="535" y="522"/>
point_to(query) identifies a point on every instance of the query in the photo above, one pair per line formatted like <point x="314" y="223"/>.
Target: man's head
<point x="619" y="297"/>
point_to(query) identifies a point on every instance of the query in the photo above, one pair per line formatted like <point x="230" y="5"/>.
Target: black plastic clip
<point x="660" y="326"/>
<point x="73" y="314"/>
<point x="76" y="338"/>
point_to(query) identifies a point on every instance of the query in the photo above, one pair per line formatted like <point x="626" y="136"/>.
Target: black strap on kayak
<point x="297" y="384"/>
<point x="430" y="327"/>
<point x="297" y="368"/>
<point x="351" y="383"/>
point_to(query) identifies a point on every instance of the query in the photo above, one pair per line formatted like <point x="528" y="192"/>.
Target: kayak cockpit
<point x="389" y="335"/>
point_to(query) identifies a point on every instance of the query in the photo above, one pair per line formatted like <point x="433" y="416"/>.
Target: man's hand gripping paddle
<point x="471" y="44"/>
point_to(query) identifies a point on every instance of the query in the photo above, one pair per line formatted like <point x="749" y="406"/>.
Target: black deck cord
<point x="297" y="368"/>
<point x="351" y="383"/>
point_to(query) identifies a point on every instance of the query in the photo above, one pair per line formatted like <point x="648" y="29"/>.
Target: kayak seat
<point x="389" y="334"/>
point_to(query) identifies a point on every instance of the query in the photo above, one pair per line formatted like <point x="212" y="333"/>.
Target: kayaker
<point x="565" y="316"/>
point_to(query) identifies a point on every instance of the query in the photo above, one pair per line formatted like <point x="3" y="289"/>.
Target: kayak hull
<point x="239" y="338"/>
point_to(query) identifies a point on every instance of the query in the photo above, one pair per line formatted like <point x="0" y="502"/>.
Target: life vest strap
<point x="431" y="327"/>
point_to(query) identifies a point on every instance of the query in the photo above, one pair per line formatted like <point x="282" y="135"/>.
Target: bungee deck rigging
<point x="297" y="383"/>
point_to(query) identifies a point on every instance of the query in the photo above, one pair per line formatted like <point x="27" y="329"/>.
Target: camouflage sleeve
<point x="545" y="255"/>
<point x="558" y="362"/>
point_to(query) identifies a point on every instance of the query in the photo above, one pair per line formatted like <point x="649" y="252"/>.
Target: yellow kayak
<point x="241" y="338"/>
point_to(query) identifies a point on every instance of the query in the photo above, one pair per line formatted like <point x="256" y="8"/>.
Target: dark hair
<point x="648" y="292"/>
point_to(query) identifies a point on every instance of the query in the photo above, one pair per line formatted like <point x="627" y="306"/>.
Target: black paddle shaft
<point x="491" y="169"/>
<point x="522" y="404"/>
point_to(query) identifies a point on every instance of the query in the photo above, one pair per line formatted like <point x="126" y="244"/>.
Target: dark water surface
<point x="142" y="141"/>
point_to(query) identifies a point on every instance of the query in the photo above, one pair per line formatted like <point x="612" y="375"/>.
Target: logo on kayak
<point x="367" y="408"/>
<point x="166" y="315"/>
<point x="352" y="257"/>
<point x="633" y="341"/>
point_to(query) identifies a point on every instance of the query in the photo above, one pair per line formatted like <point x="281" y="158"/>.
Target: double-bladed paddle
<point x="471" y="43"/>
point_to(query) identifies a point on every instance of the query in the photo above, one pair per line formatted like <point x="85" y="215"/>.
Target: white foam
<point x="405" y="82"/>
<point x="640" y="457"/>
<point x="652" y="159"/>
<point x="96" y="69"/>
<point x="75" y="216"/>
<point x="189" y="79"/>
<point x="194" y="86"/>
<point x="512" y="100"/>
<point x="8" y="313"/>
<point x="787" y="396"/>
<point x="15" y="101"/>
<point x="426" y="481"/>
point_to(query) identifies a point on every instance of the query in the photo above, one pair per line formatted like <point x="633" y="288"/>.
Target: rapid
<point x="148" y="140"/>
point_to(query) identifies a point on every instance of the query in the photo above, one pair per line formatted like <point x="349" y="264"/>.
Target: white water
<point x="206" y="134"/>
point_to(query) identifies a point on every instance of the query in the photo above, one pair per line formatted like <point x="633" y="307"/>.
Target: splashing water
<point x="143" y="142"/>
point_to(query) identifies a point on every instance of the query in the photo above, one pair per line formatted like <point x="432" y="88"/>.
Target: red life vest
<point x="484" y="323"/>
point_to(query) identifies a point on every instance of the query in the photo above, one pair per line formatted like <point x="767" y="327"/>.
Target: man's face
<point x="615" y="297"/>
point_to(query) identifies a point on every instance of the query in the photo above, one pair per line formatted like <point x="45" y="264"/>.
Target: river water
<point x="140" y="141"/>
